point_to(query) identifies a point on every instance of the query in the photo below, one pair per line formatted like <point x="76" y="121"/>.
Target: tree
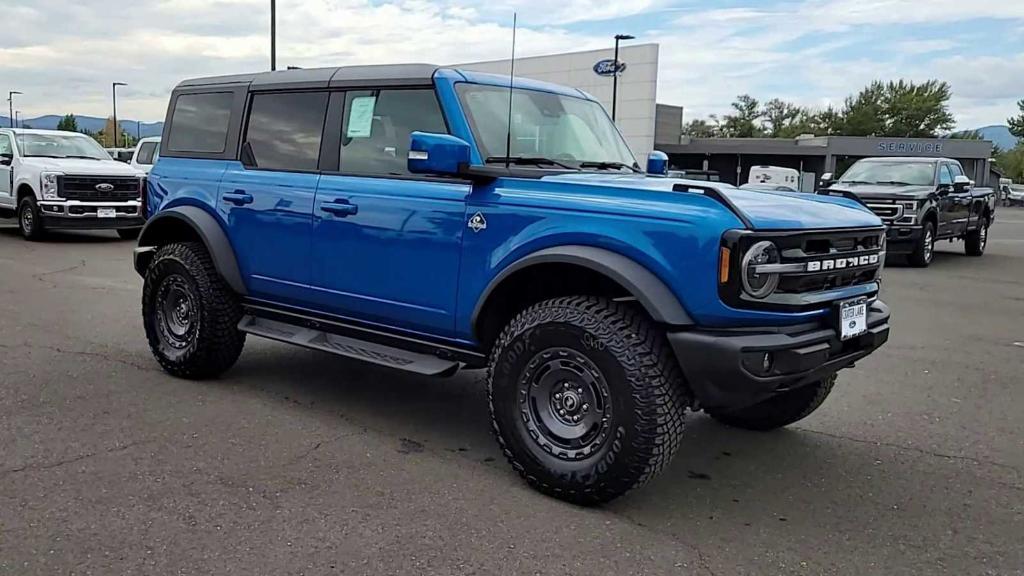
<point x="702" y="128"/>
<point x="917" y="110"/>
<point x="863" y="114"/>
<point x="1017" y="122"/>
<point x="1011" y="163"/>
<point x="68" y="123"/>
<point x="780" y="118"/>
<point x="744" y="123"/>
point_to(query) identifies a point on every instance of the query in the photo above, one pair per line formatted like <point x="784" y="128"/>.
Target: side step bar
<point x="348" y="347"/>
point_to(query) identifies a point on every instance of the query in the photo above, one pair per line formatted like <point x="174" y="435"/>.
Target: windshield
<point x="60" y="146"/>
<point x="896" y="173"/>
<point x="571" y="131"/>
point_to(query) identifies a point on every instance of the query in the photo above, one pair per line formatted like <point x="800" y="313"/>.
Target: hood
<point x="884" y="191"/>
<point x="81" y="167"/>
<point x="765" y="209"/>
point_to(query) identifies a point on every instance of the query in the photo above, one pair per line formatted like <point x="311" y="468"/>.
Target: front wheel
<point x="778" y="411"/>
<point x="190" y="313"/>
<point x="587" y="399"/>
<point x="977" y="239"/>
<point x="923" y="253"/>
<point x="29" y="222"/>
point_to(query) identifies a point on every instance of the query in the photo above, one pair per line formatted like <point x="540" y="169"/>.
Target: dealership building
<point x="649" y="125"/>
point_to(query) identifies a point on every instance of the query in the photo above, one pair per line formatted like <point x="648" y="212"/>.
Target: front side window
<point x="945" y="175"/>
<point x="146" y="152"/>
<point x="6" y="149"/>
<point x="284" y="130"/>
<point x="377" y="126"/>
<point x="60" y="146"/>
<point x="891" y="173"/>
<point x="567" y="129"/>
<point x="200" y="123"/>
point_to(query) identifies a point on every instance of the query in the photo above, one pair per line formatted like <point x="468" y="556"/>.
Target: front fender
<point x="182" y="222"/>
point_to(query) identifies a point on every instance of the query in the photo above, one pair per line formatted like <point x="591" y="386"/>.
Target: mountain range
<point x="999" y="135"/>
<point x="91" y="124"/>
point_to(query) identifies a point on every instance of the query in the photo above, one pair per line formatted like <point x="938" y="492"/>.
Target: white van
<point x="775" y="176"/>
<point x="146" y="153"/>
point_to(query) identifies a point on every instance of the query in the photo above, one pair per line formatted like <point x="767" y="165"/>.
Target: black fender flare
<point x="657" y="299"/>
<point x="205" y="226"/>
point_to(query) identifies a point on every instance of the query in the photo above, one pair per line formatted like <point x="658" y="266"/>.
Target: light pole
<point x="113" y="89"/>
<point x="10" y="103"/>
<point x="17" y="118"/>
<point x="615" y="77"/>
<point x="273" y="35"/>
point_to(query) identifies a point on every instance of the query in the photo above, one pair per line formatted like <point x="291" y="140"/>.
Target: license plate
<point x="853" y="318"/>
<point x="106" y="213"/>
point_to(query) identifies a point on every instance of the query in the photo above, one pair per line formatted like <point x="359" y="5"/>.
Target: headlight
<point x="760" y="284"/>
<point x="48" y="185"/>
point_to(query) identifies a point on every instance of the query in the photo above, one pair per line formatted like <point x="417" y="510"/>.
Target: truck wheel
<point x="778" y="411"/>
<point x="129" y="233"/>
<point x="587" y="399"/>
<point x="922" y="255"/>
<point x="190" y="313"/>
<point x="29" y="222"/>
<point x="977" y="239"/>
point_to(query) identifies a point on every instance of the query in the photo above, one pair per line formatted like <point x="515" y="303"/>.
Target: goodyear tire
<point x="190" y="313"/>
<point x="586" y="397"/>
<point x="29" y="222"/>
<point x="977" y="240"/>
<point x="923" y="253"/>
<point x="778" y="411"/>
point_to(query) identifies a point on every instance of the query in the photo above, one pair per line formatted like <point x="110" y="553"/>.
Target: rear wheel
<point x="922" y="255"/>
<point x="778" y="411"/>
<point x="190" y="314"/>
<point x="977" y="239"/>
<point x="29" y="222"/>
<point x="587" y="399"/>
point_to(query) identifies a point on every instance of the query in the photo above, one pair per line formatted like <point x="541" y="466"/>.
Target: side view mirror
<point x="437" y="153"/>
<point x="961" y="183"/>
<point x="6" y="159"/>
<point x="827" y="179"/>
<point x="657" y="163"/>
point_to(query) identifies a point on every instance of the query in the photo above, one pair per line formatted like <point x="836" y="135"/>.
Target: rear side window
<point x="285" y="129"/>
<point x="146" y="152"/>
<point x="200" y="123"/>
<point x="377" y="124"/>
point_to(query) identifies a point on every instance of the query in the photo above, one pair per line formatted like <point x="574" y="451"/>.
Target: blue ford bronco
<point x="412" y="217"/>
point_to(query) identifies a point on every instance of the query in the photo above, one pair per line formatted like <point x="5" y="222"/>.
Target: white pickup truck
<point x="54" y="180"/>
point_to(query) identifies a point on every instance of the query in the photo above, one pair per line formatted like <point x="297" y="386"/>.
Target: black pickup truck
<point x="921" y="201"/>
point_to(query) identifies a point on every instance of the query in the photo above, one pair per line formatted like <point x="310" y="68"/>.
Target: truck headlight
<point x="757" y="283"/>
<point x="48" y="185"/>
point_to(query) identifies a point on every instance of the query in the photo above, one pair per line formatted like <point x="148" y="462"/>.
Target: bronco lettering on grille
<point x="842" y="263"/>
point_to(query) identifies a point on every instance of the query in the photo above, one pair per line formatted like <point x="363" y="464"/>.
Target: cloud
<point x="808" y="51"/>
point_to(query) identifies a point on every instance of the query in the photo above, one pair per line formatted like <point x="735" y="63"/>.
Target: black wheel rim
<point x="565" y="404"/>
<point x="177" y="316"/>
<point x="929" y="245"/>
<point x="984" y="236"/>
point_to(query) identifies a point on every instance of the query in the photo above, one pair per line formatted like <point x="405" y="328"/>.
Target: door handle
<point x="238" y="197"/>
<point x="340" y="208"/>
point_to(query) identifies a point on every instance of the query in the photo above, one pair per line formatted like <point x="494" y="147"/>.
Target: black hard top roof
<point x="386" y="75"/>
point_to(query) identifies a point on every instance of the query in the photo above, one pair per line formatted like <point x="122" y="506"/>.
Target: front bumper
<point x="74" y="215"/>
<point x="902" y="239"/>
<point x="723" y="367"/>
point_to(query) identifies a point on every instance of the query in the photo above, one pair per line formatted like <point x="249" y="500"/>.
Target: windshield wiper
<point x="43" y="156"/>
<point x="894" y="182"/>
<point x="534" y="160"/>
<point x="608" y="165"/>
<point x="855" y="182"/>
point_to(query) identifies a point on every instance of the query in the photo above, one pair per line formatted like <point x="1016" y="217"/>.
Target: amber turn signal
<point x="723" y="265"/>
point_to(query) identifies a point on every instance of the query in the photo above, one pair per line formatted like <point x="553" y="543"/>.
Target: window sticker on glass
<point x="360" y="117"/>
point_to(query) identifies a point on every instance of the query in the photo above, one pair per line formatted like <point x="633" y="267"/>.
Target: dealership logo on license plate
<point x="853" y="318"/>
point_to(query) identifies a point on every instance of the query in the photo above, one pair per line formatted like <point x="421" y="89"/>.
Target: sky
<point x="63" y="54"/>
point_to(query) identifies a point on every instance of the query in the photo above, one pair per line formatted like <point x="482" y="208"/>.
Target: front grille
<point x="84" y="188"/>
<point x="887" y="212"/>
<point x="815" y="263"/>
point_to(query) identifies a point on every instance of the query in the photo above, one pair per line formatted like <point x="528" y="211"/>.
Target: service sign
<point x="607" y="68"/>
<point x="911" y="147"/>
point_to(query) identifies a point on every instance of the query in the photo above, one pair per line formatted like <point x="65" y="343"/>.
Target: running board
<point x="348" y="347"/>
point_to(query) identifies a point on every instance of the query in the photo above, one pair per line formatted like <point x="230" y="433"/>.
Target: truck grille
<point x="887" y="212"/>
<point x="94" y="188"/>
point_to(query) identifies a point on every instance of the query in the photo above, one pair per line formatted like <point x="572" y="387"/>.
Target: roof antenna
<point x="511" y="76"/>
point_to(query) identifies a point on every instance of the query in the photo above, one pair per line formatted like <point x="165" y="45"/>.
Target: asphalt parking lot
<point x="297" y="462"/>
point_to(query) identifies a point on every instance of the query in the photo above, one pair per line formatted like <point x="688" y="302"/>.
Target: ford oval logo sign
<point x="104" y="187"/>
<point x="607" y="68"/>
